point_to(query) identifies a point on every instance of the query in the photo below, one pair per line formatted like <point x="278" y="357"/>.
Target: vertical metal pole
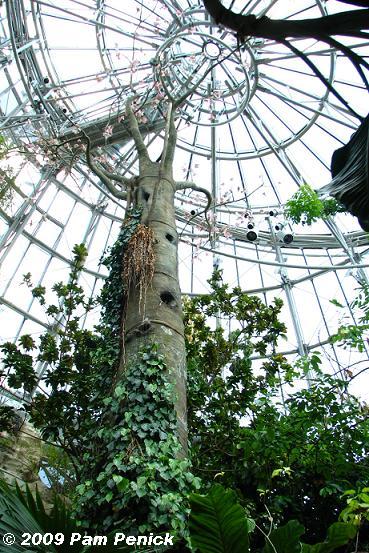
<point x="287" y="287"/>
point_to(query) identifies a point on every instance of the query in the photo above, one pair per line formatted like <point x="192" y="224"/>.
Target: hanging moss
<point x="112" y="296"/>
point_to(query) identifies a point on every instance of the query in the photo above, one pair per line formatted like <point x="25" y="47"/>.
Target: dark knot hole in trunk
<point x="168" y="298"/>
<point x="170" y="237"/>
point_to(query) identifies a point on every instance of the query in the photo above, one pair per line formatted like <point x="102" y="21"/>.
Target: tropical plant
<point x="23" y="517"/>
<point x="120" y="439"/>
<point x="218" y="524"/>
<point x="293" y="455"/>
<point x="351" y="335"/>
<point x="7" y="180"/>
<point x="58" y="469"/>
<point x="306" y="206"/>
<point x="357" y="509"/>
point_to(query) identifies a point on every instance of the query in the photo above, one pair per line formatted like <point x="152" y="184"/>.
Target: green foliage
<point x="285" y="539"/>
<point x="221" y="383"/>
<point x="18" y="367"/>
<point x="305" y="205"/>
<point x="58" y="469"/>
<point x="218" y="523"/>
<point x="354" y="336"/>
<point x="321" y="435"/>
<point x="131" y="471"/>
<point x="135" y="477"/>
<point x="357" y="509"/>
<point x="287" y="457"/>
<point x="7" y="419"/>
<point x="7" y="180"/>
<point x="294" y="457"/>
<point x="70" y="374"/>
<point x="339" y="534"/>
<point x="21" y="512"/>
<point x="118" y="428"/>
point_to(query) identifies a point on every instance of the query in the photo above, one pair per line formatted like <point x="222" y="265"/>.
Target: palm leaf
<point x="21" y="512"/>
<point x="16" y="519"/>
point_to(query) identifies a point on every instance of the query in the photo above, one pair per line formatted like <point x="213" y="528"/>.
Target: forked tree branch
<point x="134" y="131"/>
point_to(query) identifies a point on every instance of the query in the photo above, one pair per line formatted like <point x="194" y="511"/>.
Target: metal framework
<point x="254" y="125"/>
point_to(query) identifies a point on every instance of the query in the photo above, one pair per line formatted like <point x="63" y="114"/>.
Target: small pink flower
<point x="108" y="131"/>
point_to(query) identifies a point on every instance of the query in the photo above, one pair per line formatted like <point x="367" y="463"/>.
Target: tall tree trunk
<point x="156" y="316"/>
<point x="155" y="313"/>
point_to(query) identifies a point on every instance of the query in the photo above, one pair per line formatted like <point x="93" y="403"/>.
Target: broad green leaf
<point x="339" y="533"/>
<point x="285" y="539"/>
<point x="218" y="523"/>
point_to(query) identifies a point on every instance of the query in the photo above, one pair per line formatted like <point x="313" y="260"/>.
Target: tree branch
<point x="170" y="139"/>
<point x="344" y="23"/>
<point x="314" y="68"/>
<point x="104" y="176"/>
<point x="355" y="59"/>
<point x="134" y="131"/>
<point x="348" y="23"/>
<point x="182" y="185"/>
<point x="364" y="3"/>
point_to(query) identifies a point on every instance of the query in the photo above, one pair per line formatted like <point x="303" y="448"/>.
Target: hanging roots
<point x="138" y="262"/>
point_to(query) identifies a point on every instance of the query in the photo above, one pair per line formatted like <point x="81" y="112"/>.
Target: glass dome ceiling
<point x="255" y="125"/>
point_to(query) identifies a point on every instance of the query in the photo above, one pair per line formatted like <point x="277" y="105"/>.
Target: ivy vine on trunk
<point x="143" y="468"/>
<point x="152" y="310"/>
<point x="123" y="418"/>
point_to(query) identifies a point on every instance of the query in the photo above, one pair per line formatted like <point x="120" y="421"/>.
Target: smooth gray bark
<point x="158" y="317"/>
